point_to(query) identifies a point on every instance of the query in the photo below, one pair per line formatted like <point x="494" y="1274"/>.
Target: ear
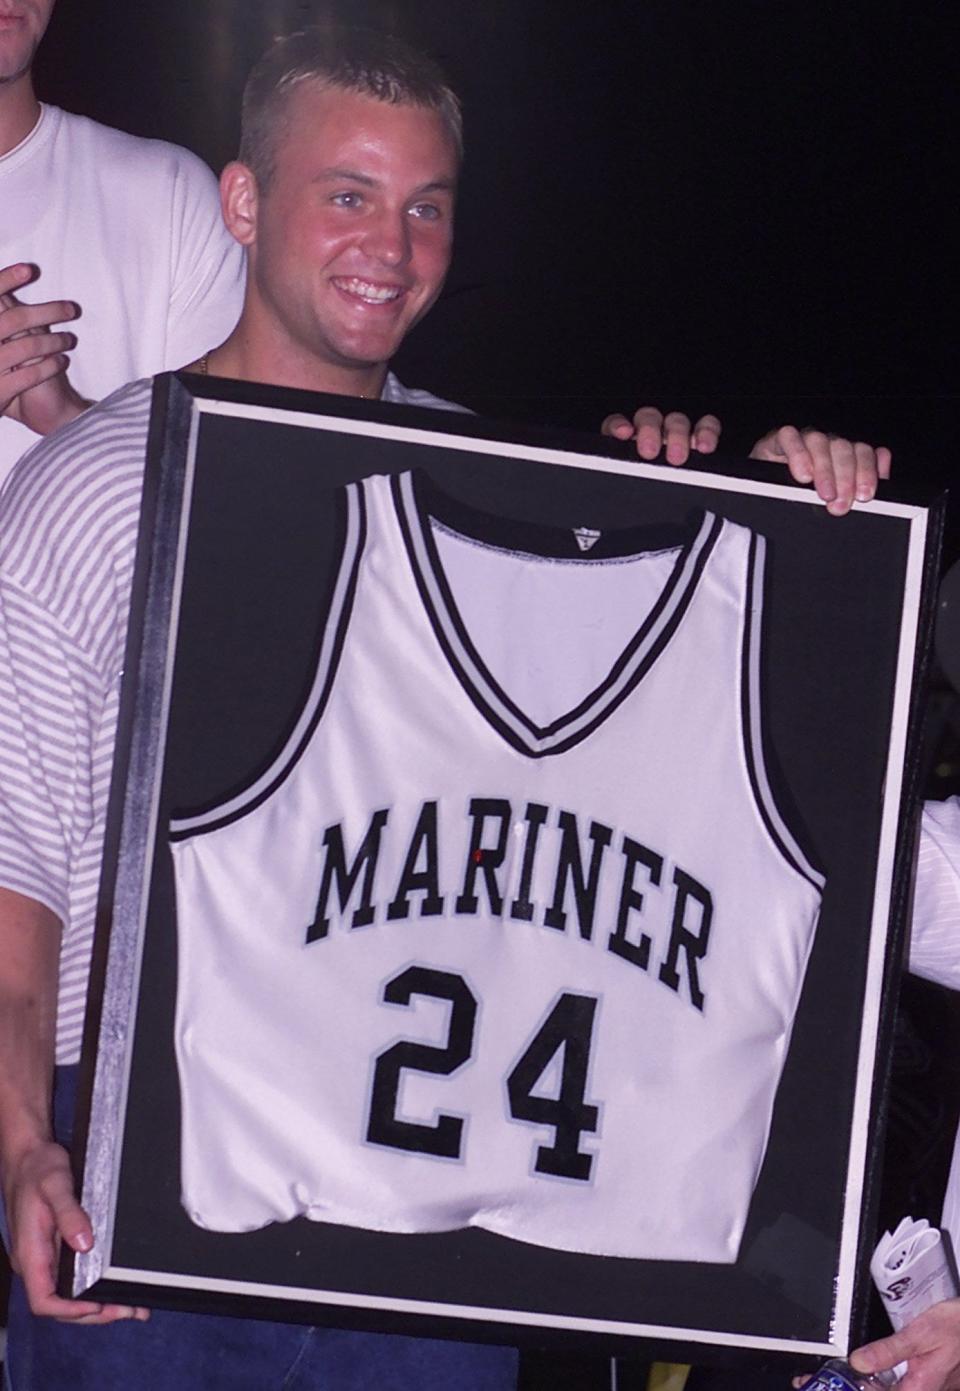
<point x="239" y="201"/>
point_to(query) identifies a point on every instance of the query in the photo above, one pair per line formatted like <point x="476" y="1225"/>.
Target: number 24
<point x="569" y="1026"/>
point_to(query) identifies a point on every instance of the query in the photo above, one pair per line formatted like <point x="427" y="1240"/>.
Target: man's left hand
<point x="841" y="471"/>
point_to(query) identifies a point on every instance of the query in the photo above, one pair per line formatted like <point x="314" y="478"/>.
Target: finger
<point x="29" y="318"/>
<point x="648" y="431"/>
<point x="884" y="461"/>
<point x="33" y="347"/>
<point x="120" y="1311"/>
<point x="884" y="1353"/>
<point x="107" y="1313"/>
<point x="618" y="426"/>
<point x="69" y="1219"/>
<point x="14" y="277"/>
<point x="820" y="449"/>
<point x="843" y="468"/>
<point x="48" y="1304"/>
<point x="769" y="448"/>
<point x="706" y="434"/>
<point x="676" y="437"/>
<point x="867" y="471"/>
<point x="790" y="446"/>
<point x="13" y="384"/>
<point x="86" y="1312"/>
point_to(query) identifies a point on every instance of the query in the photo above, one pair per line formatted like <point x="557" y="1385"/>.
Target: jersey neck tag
<point x="586" y="537"/>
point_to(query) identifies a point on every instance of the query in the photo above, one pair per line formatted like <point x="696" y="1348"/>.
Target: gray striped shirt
<point x="68" y="527"/>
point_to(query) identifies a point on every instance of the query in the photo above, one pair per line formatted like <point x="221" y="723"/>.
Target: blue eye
<point x="428" y="212"/>
<point x="348" y="199"/>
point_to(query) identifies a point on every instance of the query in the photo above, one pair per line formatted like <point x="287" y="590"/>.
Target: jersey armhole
<point x="331" y="646"/>
<point x="757" y="758"/>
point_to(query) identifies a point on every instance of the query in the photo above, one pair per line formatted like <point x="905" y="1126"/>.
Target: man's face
<point x="354" y="233"/>
<point x="22" y="26"/>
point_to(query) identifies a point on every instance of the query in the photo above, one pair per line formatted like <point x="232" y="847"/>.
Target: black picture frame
<point x="237" y="540"/>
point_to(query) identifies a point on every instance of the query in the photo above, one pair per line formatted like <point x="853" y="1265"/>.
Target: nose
<point x="388" y="238"/>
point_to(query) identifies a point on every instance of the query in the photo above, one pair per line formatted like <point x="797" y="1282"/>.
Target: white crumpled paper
<point x="911" y="1270"/>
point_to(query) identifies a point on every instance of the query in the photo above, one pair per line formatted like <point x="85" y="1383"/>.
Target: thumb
<point x="71" y="1222"/>
<point x="884" y="1353"/>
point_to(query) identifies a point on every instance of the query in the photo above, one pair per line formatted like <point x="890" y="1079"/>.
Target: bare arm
<point x="42" y="1210"/>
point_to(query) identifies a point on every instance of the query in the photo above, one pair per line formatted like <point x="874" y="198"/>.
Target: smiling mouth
<point x="367" y="291"/>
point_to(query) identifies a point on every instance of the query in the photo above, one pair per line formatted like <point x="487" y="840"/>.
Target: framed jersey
<point x="507" y="859"/>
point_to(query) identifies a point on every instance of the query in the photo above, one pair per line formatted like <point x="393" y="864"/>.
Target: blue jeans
<point x="201" y="1352"/>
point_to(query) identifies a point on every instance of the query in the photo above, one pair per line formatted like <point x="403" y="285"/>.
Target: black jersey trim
<point x="331" y="649"/>
<point x="629" y="668"/>
<point x="752" y="724"/>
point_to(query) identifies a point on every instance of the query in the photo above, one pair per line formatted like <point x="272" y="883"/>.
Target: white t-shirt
<point x="131" y="230"/>
<point x="935" y="937"/>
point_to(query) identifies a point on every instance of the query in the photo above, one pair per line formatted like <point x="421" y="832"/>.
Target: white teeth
<point x="376" y="294"/>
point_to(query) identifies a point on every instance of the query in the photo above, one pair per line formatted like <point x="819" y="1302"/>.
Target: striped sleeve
<point x="50" y="699"/>
<point x="935" y="930"/>
<point x="935" y="938"/>
<point x="68" y="524"/>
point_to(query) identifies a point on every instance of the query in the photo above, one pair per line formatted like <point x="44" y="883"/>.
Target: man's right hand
<point x="42" y="1212"/>
<point x="34" y="387"/>
<point x="652" y="431"/>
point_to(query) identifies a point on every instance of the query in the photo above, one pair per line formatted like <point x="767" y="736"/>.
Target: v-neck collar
<point x="512" y="723"/>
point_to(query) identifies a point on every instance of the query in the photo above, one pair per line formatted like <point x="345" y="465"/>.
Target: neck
<point x="247" y="358"/>
<point x="19" y="111"/>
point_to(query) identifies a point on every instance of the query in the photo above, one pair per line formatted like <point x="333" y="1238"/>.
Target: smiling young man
<point x="348" y="225"/>
<point x="344" y="202"/>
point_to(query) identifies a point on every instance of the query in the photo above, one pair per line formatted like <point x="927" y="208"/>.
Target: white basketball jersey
<point x="512" y="934"/>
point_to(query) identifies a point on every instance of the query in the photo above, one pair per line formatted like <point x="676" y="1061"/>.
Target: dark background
<point x="735" y="205"/>
<point x="728" y="204"/>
